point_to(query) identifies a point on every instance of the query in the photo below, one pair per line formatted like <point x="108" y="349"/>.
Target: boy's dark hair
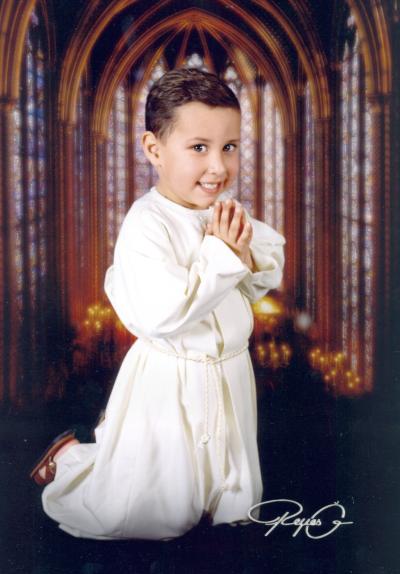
<point x="179" y="87"/>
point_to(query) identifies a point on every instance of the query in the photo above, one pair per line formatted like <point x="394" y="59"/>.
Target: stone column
<point x="385" y="230"/>
<point x="326" y="238"/>
<point x="66" y="223"/>
<point x="9" y="313"/>
<point x="292" y="219"/>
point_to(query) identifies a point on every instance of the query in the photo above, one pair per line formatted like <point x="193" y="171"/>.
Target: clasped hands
<point x="229" y="224"/>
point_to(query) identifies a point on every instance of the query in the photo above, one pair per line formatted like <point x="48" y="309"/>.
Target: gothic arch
<point x="121" y="61"/>
<point x="14" y="22"/>
<point x="308" y="48"/>
<point x="375" y="45"/>
<point x="93" y="24"/>
<point x="372" y="29"/>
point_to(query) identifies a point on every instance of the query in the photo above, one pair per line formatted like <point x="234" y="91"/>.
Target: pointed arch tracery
<point x="14" y="23"/>
<point x="374" y="44"/>
<point x="92" y="24"/>
<point x="122" y="60"/>
<point x="195" y="61"/>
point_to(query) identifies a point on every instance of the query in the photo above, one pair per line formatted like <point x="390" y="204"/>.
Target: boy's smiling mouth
<point x="211" y="187"/>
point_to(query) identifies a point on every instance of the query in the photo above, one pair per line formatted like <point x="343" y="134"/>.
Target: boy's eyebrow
<point x="208" y="141"/>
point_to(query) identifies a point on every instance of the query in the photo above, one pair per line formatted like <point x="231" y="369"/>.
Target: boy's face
<point x="200" y="157"/>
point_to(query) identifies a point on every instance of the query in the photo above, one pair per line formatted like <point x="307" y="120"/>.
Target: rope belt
<point x="214" y="363"/>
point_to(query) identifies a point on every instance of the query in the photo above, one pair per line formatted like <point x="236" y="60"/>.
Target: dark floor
<point x="314" y="449"/>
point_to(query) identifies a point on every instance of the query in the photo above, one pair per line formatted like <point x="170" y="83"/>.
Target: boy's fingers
<point x="216" y="217"/>
<point x="243" y="222"/>
<point x="235" y="227"/>
<point x="225" y="217"/>
<point x="246" y="235"/>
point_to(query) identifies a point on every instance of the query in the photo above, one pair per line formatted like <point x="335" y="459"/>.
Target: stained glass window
<point x="18" y="202"/>
<point x="273" y="161"/>
<point x="195" y="61"/>
<point x="116" y="202"/>
<point x="30" y="187"/>
<point x="309" y="205"/>
<point x="368" y="247"/>
<point x="30" y="195"/>
<point x="243" y="189"/>
<point x="357" y="216"/>
<point x="145" y="175"/>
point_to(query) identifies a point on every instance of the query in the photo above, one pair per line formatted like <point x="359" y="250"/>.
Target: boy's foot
<point x="45" y="469"/>
<point x="52" y="463"/>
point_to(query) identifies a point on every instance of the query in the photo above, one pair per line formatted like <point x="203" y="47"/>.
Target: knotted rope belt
<point x="215" y="363"/>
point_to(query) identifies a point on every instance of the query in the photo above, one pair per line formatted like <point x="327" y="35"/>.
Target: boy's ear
<point x="151" y="149"/>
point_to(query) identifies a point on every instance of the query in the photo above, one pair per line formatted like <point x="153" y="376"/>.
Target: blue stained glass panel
<point x="357" y="215"/>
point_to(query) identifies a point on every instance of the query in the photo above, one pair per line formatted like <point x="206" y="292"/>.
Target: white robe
<point x="152" y="471"/>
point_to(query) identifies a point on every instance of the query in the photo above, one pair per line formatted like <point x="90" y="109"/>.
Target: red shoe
<point x="46" y="460"/>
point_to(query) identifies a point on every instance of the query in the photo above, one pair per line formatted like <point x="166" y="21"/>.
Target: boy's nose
<point x="217" y="165"/>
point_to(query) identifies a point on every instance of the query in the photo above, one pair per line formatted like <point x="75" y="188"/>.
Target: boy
<point x="179" y="436"/>
<point x="195" y="169"/>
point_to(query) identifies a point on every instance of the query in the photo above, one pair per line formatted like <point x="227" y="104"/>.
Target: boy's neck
<point x="194" y="208"/>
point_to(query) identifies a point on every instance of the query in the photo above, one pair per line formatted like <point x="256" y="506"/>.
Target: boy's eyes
<point x="199" y="147"/>
<point x="203" y="147"/>
<point x="231" y="147"/>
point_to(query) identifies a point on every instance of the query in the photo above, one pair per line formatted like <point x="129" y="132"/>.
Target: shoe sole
<point x="51" y="450"/>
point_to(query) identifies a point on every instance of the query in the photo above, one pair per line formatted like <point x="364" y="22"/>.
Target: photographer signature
<point x="312" y="526"/>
